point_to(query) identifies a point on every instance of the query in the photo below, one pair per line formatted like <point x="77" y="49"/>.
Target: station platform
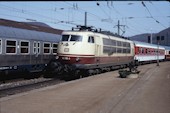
<point x="103" y="93"/>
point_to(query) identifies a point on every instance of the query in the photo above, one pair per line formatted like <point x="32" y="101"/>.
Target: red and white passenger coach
<point x="145" y="52"/>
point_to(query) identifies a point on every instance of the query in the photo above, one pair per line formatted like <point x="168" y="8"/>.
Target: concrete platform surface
<point x="104" y="93"/>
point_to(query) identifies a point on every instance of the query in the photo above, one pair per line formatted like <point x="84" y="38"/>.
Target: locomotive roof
<point x="106" y="33"/>
<point x="80" y="28"/>
<point x="24" y="25"/>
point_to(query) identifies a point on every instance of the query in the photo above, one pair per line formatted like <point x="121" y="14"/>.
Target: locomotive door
<point x="97" y="50"/>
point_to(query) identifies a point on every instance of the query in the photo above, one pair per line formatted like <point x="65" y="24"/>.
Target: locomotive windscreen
<point x="71" y="38"/>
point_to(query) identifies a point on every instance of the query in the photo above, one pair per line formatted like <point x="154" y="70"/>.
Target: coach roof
<point x="24" y="25"/>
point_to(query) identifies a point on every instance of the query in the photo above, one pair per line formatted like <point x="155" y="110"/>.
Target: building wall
<point x="164" y="35"/>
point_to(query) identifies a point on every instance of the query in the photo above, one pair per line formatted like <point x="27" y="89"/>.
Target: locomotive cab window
<point x="65" y="37"/>
<point x="0" y="46"/>
<point x="91" y="39"/>
<point x="24" y="47"/>
<point x="11" y="46"/>
<point x="76" y="38"/>
<point x="47" y="47"/>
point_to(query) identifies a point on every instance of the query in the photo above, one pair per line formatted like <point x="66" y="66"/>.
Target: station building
<point x="163" y="37"/>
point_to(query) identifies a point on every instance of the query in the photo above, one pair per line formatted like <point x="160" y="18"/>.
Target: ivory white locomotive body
<point x="88" y="50"/>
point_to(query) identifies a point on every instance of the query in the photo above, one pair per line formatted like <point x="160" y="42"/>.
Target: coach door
<point x="36" y="50"/>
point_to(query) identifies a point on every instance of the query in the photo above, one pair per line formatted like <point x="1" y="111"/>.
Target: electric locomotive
<point x="89" y="50"/>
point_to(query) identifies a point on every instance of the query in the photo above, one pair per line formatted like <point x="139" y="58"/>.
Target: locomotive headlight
<point x="66" y="44"/>
<point x="77" y="59"/>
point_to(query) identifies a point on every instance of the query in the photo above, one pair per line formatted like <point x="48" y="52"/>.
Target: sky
<point x="135" y="17"/>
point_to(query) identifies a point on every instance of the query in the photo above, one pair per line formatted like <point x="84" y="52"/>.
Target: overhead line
<point x="151" y="15"/>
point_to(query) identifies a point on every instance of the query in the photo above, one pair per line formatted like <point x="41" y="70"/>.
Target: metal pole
<point x="151" y="36"/>
<point x="118" y="26"/>
<point x="157" y="53"/>
<point x="85" y="21"/>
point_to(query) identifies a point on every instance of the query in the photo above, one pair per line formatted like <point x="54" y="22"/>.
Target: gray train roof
<point x="30" y="26"/>
<point x="25" y="34"/>
<point x="167" y="47"/>
<point x="147" y="44"/>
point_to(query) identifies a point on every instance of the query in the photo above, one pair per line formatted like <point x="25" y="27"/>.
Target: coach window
<point x="91" y="39"/>
<point x="142" y="50"/>
<point x="34" y="47"/>
<point x="11" y="46"/>
<point x="38" y="47"/>
<point x="47" y="47"/>
<point x="24" y="47"/>
<point x="0" y="46"/>
<point x="55" y="45"/>
<point x="146" y="51"/>
<point x="149" y="51"/>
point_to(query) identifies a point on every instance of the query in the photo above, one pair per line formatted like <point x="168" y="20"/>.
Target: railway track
<point x="23" y="86"/>
<point x="19" y="86"/>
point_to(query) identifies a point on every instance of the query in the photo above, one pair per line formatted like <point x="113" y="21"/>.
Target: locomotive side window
<point x="55" y="45"/>
<point x="124" y="50"/>
<point x="124" y="44"/>
<point x="0" y="46"/>
<point x="24" y="47"/>
<point x="47" y="47"/>
<point x="109" y="50"/>
<point x="119" y="43"/>
<point x="128" y="50"/>
<point x="91" y="39"/>
<point x="109" y="42"/>
<point x="128" y="45"/>
<point x="11" y="46"/>
<point x="119" y="50"/>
